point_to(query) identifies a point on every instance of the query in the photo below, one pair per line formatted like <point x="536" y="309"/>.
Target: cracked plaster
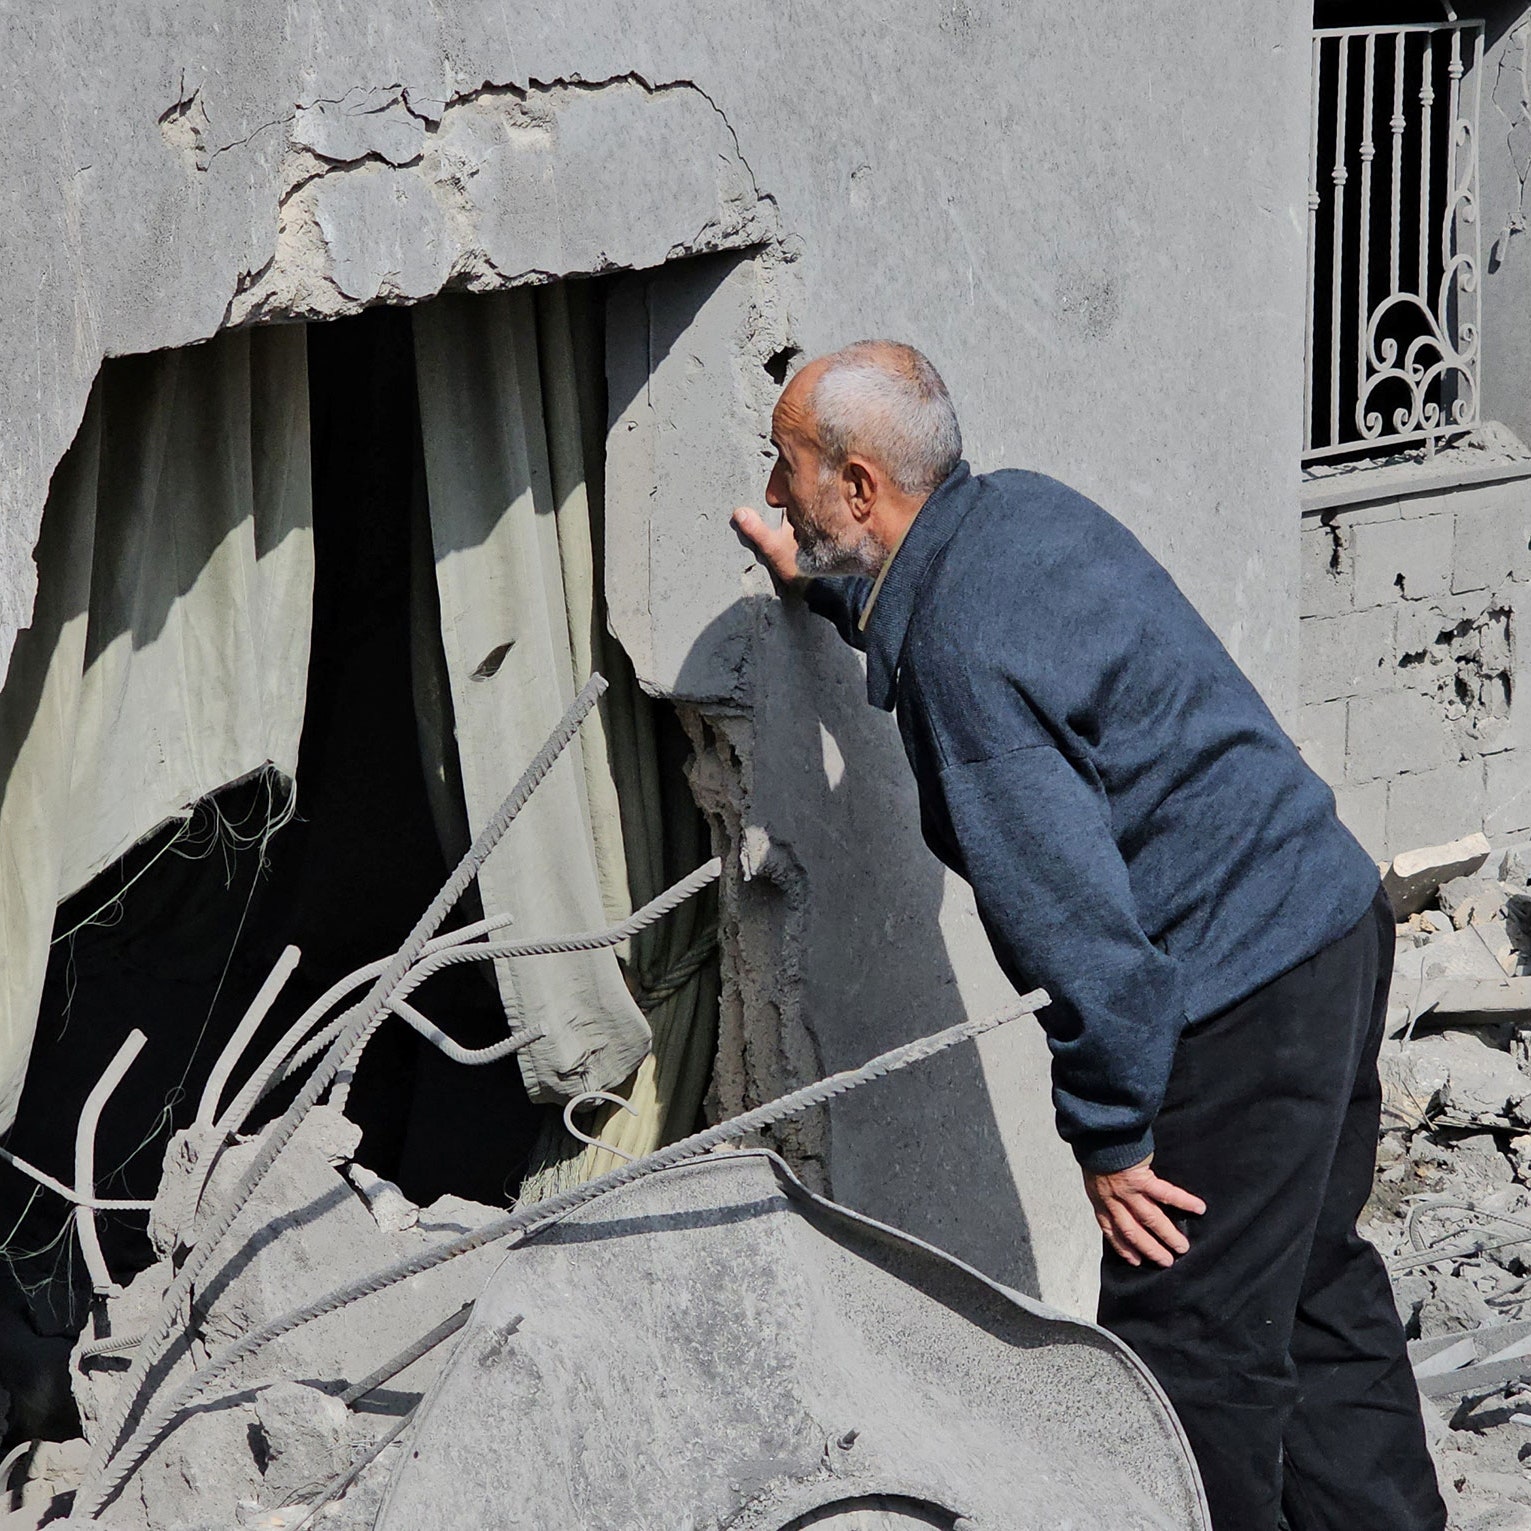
<point x="957" y="179"/>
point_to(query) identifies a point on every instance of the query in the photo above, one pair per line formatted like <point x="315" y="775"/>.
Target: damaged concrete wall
<point x="1413" y="666"/>
<point x="1416" y="682"/>
<point x="1504" y="172"/>
<point x="973" y="178"/>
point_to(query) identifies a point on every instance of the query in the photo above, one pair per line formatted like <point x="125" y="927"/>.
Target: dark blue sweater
<point x="1141" y="836"/>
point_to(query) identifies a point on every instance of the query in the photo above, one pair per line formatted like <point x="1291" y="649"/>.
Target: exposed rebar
<point x="99" y="1480"/>
<point x="85" y="1162"/>
<point x="522" y="1220"/>
<point x="446" y="954"/>
<point x="471" y="1056"/>
<point x="407" y="1357"/>
<point x="244" y="1033"/>
<point x="342" y="1481"/>
<point x="72" y="1196"/>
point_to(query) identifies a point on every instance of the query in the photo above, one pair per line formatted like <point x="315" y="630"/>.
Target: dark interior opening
<point x="177" y="937"/>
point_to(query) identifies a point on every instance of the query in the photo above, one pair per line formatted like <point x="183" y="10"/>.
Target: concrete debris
<point x="1413" y="877"/>
<point x="1451" y="1212"/>
<point x="280" y="1430"/>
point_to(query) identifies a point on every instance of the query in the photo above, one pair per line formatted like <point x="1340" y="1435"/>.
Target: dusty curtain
<point x="168" y="651"/>
<point x="513" y="427"/>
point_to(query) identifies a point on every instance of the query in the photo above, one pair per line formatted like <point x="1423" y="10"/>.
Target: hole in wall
<point x="177" y="936"/>
<point x="779" y="364"/>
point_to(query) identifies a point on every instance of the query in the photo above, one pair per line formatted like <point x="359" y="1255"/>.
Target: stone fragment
<point x="1460" y="998"/>
<point x="1461" y="954"/>
<point x="1517" y="918"/>
<point x="1515" y="865"/>
<point x="304" y="1433"/>
<point x="1453" y="1306"/>
<point x="1473" y="900"/>
<point x="1414" y="875"/>
<point x="1457" y="1075"/>
<point x="390" y="1207"/>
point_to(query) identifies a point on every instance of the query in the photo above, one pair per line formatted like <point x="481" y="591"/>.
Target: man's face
<point x="829" y="538"/>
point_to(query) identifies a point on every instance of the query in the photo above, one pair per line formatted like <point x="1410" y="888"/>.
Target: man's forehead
<point x="792" y="413"/>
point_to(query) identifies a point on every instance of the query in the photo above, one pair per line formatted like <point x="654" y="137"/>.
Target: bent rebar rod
<point x="85" y="1163"/>
<point x="244" y="1032"/>
<point x="295" y="1049"/>
<point x="95" y="1485"/>
<point x="472" y="1057"/>
<point x="591" y="940"/>
<point x="121" y="1464"/>
<point x="448" y="954"/>
<point x="72" y="1196"/>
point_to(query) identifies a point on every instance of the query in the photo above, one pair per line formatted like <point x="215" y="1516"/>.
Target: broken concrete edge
<point x="1413" y="876"/>
<point x="436" y="236"/>
<point x="820" y="1209"/>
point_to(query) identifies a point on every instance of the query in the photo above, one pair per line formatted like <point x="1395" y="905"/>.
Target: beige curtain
<point x="514" y="431"/>
<point x="168" y="652"/>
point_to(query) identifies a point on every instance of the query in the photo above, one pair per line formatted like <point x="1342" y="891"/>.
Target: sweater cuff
<point x="1104" y="1156"/>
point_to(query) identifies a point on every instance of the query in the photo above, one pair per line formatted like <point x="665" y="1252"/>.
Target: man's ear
<point x="859" y="483"/>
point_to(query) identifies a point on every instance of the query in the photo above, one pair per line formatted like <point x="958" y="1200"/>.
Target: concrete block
<point x="1328" y="571"/>
<point x="1492" y="545"/>
<point x="1349" y="655"/>
<point x="1507" y="795"/>
<point x="1402" y="559"/>
<point x="1395" y="732"/>
<point x="1429" y="807"/>
<point x="1321" y="738"/>
<point x="1362" y="807"/>
<point x="1415" y="874"/>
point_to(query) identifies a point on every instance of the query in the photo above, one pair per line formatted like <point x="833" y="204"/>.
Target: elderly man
<point x="1144" y="840"/>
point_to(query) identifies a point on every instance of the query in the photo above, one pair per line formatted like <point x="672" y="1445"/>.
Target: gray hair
<point x="883" y="400"/>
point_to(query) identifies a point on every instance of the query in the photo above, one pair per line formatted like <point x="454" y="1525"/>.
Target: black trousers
<point x="1276" y="1337"/>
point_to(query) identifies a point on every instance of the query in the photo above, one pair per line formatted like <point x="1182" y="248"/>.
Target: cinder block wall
<point x="1414" y="677"/>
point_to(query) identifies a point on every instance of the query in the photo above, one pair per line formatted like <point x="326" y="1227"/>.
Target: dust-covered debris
<point x="1451" y="1211"/>
<point x="259" y="1451"/>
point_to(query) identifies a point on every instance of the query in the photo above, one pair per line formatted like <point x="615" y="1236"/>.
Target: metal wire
<point x="101" y="1476"/>
<point x="342" y="1481"/>
<point x="123" y="1462"/>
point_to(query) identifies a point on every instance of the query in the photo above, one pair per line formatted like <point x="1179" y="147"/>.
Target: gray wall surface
<point x="1095" y="232"/>
<point x="1504" y="169"/>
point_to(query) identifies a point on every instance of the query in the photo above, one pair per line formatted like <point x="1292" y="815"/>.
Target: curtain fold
<point x="513" y="417"/>
<point x="514" y="579"/>
<point x="168" y="652"/>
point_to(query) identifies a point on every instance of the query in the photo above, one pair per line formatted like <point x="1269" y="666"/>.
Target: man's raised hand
<point x="775" y="546"/>
<point x="1129" y="1206"/>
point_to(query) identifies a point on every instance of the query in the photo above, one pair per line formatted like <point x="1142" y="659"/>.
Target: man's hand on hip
<point x="1129" y="1206"/>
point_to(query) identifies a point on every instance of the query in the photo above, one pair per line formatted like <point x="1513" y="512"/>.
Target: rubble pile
<point x="1451" y="1212"/>
<point x="260" y="1452"/>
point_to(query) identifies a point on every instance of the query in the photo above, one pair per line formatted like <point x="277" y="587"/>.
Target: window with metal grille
<point x="1393" y="255"/>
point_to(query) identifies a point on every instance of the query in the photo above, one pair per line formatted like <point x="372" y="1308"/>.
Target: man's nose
<point x="774" y="497"/>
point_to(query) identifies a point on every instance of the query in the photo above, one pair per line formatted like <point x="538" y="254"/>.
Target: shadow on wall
<point x="863" y="959"/>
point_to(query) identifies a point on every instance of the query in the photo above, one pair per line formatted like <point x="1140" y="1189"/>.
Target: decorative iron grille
<point x="1393" y="242"/>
